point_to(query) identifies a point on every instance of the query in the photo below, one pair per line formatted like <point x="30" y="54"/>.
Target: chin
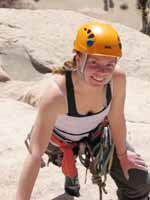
<point x="95" y="83"/>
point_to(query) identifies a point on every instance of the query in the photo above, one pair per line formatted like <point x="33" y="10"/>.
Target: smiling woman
<point x="82" y="112"/>
<point x="100" y="68"/>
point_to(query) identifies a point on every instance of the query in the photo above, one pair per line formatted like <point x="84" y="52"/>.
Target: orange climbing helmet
<point x="98" y="39"/>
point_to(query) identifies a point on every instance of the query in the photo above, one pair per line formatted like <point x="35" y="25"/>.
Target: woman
<point x="78" y="101"/>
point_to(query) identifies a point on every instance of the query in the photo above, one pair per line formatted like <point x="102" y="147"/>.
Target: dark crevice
<point x="9" y="25"/>
<point x="38" y="66"/>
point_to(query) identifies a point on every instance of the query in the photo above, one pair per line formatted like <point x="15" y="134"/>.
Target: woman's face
<point x="99" y="69"/>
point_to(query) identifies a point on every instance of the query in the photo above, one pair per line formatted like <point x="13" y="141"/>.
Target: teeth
<point x="98" y="78"/>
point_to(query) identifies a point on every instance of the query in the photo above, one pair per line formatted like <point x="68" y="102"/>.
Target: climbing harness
<point x="95" y="153"/>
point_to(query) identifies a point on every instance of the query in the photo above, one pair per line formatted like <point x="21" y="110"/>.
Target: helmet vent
<point x="108" y="47"/>
<point x="91" y="36"/>
<point x="89" y="31"/>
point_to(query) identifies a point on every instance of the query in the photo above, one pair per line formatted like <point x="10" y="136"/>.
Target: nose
<point x="104" y="70"/>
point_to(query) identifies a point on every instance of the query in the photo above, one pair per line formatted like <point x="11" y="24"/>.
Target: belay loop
<point x="97" y="158"/>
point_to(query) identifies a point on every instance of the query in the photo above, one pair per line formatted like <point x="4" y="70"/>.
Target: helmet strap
<point x="81" y="68"/>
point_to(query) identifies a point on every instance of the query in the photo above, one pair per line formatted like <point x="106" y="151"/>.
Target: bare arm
<point x="116" y="116"/>
<point x="128" y="159"/>
<point x="50" y="107"/>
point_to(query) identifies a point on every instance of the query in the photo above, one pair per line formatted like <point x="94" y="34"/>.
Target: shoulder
<point x="119" y="94"/>
<point x="119" y="74"/>
<point x="60" y="79"/>
<point x="119" y="81"/>
<point x="53" y="99"/>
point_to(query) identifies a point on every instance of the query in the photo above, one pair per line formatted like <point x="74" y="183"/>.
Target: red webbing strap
<point x="68" y="162"/>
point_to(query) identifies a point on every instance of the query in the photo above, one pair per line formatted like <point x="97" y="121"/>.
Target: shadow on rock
<point x="17" y="63"/>
<point x="63" y="197"/>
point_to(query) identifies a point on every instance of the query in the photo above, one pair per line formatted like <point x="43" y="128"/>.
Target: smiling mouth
<point x="97" y="78"/>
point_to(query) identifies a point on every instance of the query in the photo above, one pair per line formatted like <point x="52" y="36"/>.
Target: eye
<point x="93" y="62"/>
<point x="110" y="66"/>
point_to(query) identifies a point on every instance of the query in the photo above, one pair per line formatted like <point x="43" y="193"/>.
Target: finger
<point x="141" y="162"/>
<point x="139" y="157"/>
<point x="140" y="167"/>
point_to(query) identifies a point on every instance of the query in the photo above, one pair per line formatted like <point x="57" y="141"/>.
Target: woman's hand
<point x="131" y="160"/>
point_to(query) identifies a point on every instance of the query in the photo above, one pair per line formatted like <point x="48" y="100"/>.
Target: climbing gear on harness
<point x="95" y="153"/>
<point x="98" y="39"/>
<point x="98" y="156"/>
<point x="72" y="186"/>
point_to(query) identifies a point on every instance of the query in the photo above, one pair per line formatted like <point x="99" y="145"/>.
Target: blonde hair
<point x="69" y="65"/>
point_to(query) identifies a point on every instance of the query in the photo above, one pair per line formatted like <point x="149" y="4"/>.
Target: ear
<point x="78" y="59"/>
<point x="116" y="60"/>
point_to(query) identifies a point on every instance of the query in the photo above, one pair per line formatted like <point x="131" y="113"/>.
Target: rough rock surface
<point x="49" y="40"/>
<point x="17" y="64"/>
<point x="3" y="75"/>
<point x="48" y="37"/>
<point x="131" y="17"/>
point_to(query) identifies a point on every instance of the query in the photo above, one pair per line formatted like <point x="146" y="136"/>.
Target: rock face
<point x="16" y="120"/>
<point x="3" y="75"/>
<point x="48" y="39"/>
<point x="95" y="8"/>
<point x="6" y="3"/>
<point x="16" y="62"/>
<point x="12" y="141"/>
<point x="18" y="4"/>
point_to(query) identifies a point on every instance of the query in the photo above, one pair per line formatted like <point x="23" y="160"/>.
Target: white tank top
<point x="71" y="127"/>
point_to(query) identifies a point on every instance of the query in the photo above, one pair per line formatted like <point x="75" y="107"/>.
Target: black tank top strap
<point x="72" y="110"/>
<point x="108" y="94"/>
<point x="70" y="95"/>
